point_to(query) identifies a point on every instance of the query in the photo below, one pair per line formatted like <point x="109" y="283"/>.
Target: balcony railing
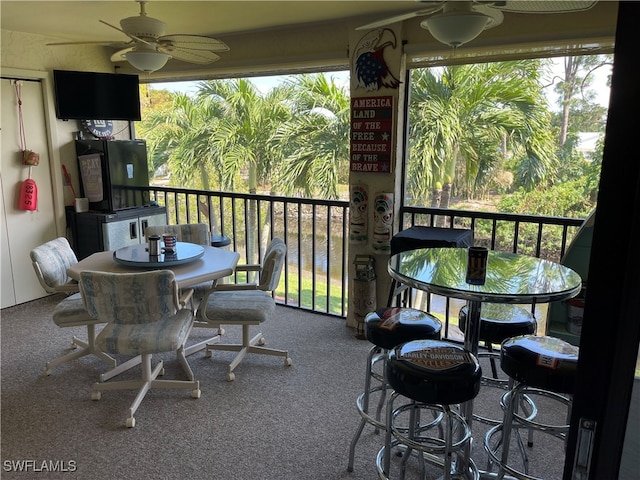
<point x="316" y="233"/>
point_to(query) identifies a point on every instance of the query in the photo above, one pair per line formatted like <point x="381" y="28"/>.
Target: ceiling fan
<point x="149" y="48"/>
<point x="455" y="23"/>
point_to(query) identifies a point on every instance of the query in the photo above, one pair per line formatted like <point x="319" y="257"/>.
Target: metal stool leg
<point x="362" y="402"/>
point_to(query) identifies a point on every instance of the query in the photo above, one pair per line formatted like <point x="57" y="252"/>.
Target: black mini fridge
<point x="114" y="174"/>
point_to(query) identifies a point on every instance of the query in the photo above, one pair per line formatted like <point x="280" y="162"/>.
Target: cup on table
<point x="169" y="241"/>
<point x="154" y="245"/>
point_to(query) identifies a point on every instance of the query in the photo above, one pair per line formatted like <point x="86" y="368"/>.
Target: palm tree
<point x="243" y="132"/>
<point x="179" y="136"/>
<point x="242" y="138"/>
<point x="315" y="141"/>
<point x="461" y="118"/>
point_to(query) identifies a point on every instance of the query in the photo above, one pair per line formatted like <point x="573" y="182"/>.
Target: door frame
<point x="611" y="330"/>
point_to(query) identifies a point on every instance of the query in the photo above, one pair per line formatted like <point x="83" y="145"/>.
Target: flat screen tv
<point x="96" y="96"/>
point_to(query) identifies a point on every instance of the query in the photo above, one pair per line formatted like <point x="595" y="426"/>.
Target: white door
<point x="23" y="230"/>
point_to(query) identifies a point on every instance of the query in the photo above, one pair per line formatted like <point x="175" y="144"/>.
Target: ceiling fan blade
<point x="201" y="57"/>
<point x="400" y="18"/>
<point x="132" y="37"/>
<point x="97" y="42"/>
<point x="119" y="56"/>
<point x="194" y="42"/>
<point x="541" y="6"/>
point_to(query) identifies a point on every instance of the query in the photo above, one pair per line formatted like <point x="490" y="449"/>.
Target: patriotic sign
<point x="371" y="134"/>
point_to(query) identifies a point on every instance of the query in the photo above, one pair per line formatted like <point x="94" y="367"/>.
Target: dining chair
<point x="144" y="314"/>
<point x="199" y="234"/>
<point x="50" y="262"/>
<point x="246" y="304"/>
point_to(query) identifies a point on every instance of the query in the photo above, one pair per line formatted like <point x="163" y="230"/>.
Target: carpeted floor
<point x="272" y="422"/>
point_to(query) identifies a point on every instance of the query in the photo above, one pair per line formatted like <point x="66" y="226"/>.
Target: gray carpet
<point x="272" y="422"/>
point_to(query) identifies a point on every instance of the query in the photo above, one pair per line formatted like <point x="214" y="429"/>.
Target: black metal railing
<point x="316" y="233"/>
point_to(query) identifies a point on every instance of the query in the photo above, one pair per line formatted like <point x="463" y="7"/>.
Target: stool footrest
<point x="379" y="424"/>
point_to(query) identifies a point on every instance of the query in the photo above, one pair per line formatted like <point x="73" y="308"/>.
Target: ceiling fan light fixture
<point x="147" y="61"/>
<point x="457" y="28"/>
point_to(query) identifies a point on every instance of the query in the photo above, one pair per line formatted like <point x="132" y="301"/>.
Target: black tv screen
<point x="96" y="96"/>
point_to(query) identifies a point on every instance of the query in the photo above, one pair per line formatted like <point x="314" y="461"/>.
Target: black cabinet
<point x="96" y="232"/>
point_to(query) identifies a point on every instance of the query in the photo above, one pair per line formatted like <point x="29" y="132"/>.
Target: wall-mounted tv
<point x="96" y="96"/>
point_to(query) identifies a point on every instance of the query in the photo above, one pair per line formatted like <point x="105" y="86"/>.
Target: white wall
<point x="27" y="57"/>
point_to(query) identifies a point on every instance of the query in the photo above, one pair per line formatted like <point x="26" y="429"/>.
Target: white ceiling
<point x="78" y="20"/>
<point x="265" y="35"/>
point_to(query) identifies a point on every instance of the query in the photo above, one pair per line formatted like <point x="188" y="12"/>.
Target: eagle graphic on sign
<point x="371" y="69"/>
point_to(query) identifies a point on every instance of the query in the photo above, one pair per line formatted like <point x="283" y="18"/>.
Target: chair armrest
<point x="250" y="267"/>
<point x="235" y="286"/>
<point x="186" y="296"/>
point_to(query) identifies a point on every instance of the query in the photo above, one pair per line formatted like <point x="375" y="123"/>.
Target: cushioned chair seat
<point x="70" y="312"/>
<point x="50" y="262"/>
<point x="243" y="305"/>
<point x="166" y="335"/>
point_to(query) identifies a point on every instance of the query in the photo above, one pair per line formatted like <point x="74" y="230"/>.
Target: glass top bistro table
<point x="510" y="278"/>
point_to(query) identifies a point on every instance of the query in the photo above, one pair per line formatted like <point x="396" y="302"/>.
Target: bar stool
<point x="385" y="328"/>
<point x="538" y="365"/>
<point x="433" y="375"/>
<point x="498" y="323"/>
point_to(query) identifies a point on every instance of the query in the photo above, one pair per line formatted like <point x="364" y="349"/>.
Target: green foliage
<point x="569" y="199"/>
<point x="462" y="117"/>
<point x="293" y="139"/>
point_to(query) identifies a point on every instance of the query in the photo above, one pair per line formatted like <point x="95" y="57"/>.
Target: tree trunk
<point x="445" y="199"/>
<point x="436" y="195"/>
<point x="570" y="72"/>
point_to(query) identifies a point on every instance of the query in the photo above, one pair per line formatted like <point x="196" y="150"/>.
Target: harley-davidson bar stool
<point x="385" y="328"/>
<point x="435" y="376"/>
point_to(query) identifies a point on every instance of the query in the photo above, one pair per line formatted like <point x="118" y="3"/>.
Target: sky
<point x="264" y="84"/>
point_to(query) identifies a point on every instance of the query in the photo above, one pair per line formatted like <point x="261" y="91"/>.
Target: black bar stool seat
<point x="542" y="362"/>
<point x="499" y="321"/>
<point x="435" y="372"/>
<point x="391" y="326"/>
